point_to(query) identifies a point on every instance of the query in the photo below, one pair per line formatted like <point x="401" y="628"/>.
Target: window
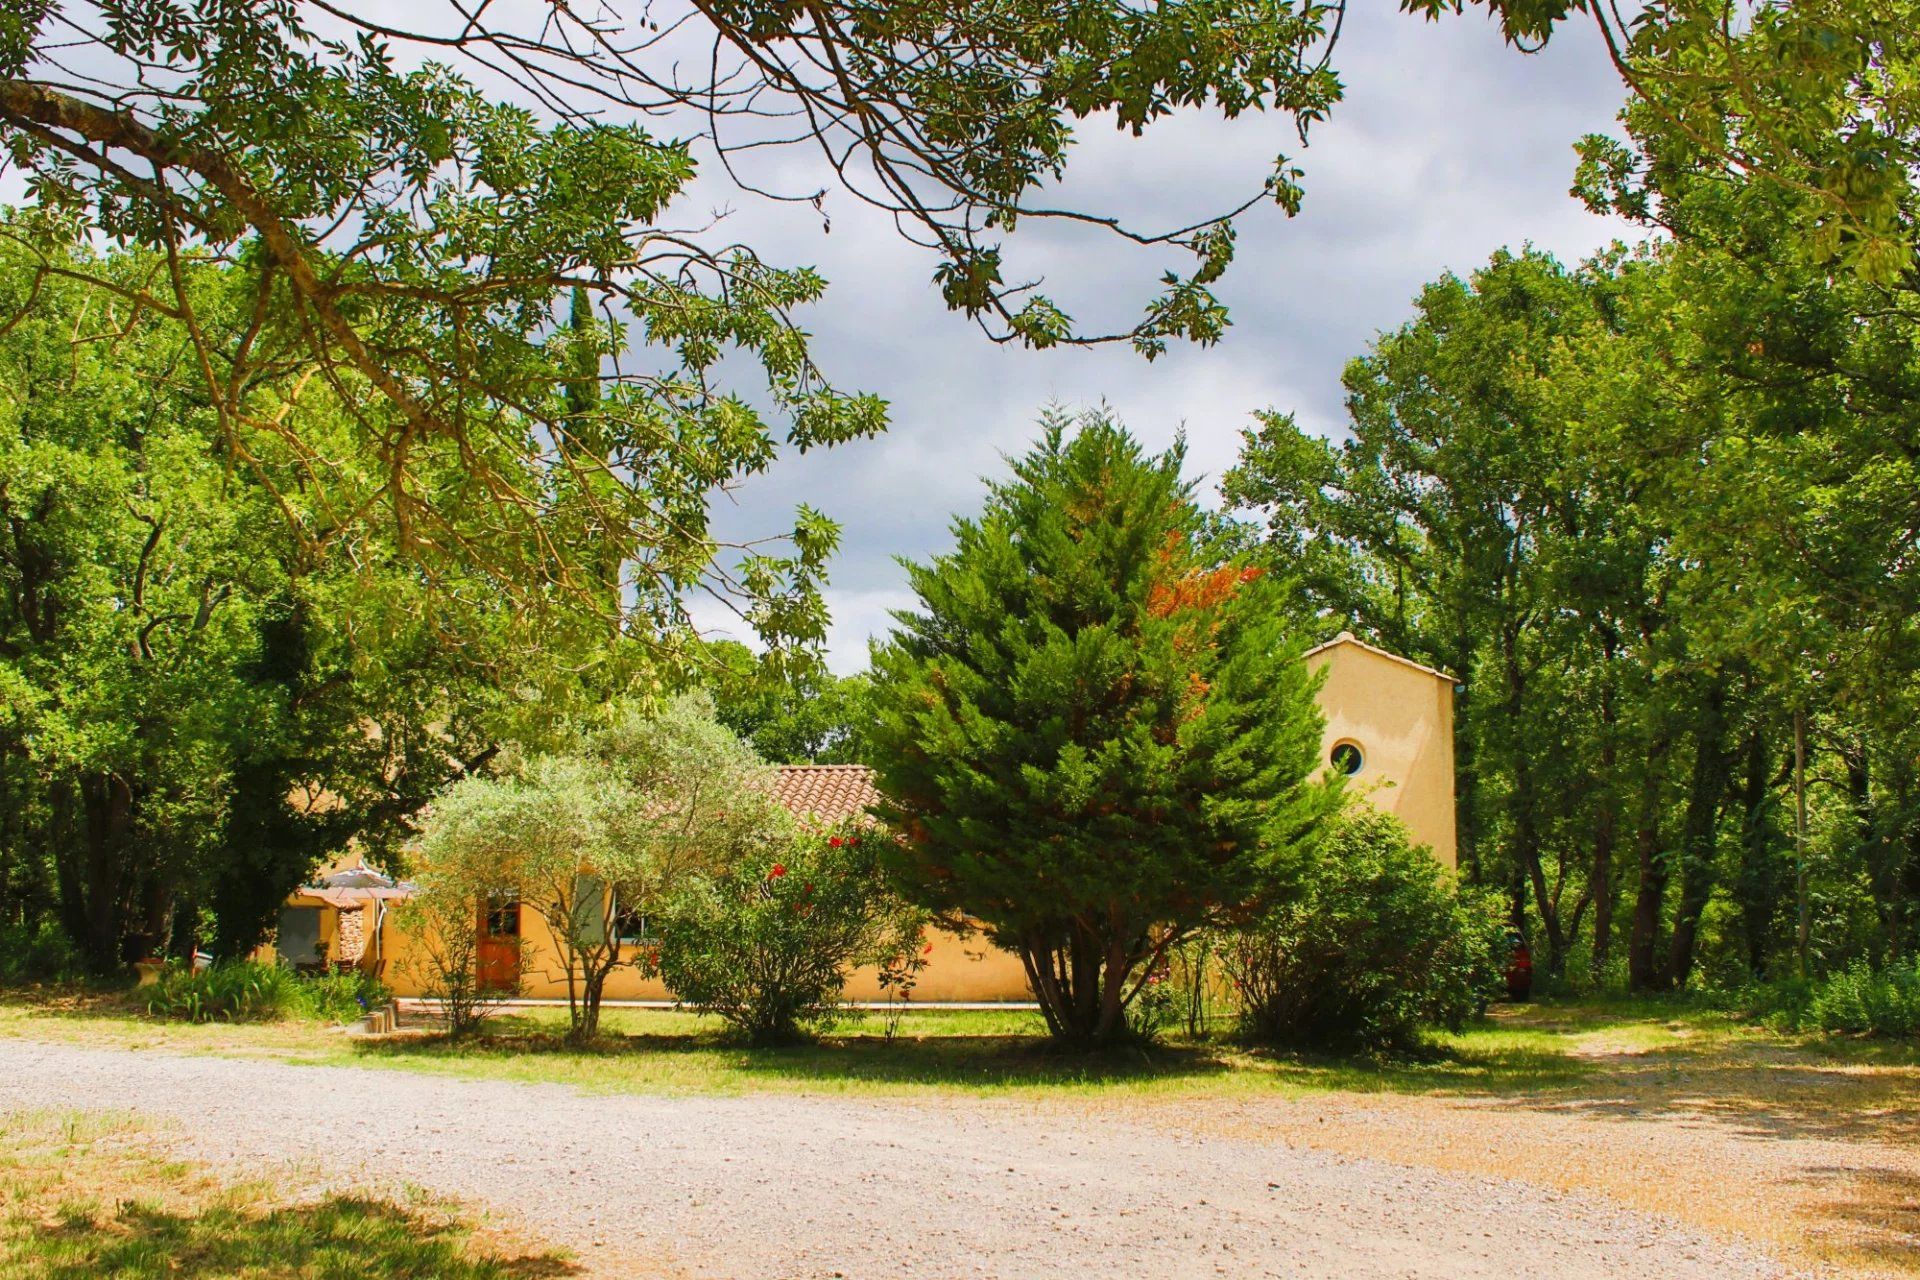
<point x="630" y="926"/>
<point x="503" y="916"/>
<point x="1346" y="758"/>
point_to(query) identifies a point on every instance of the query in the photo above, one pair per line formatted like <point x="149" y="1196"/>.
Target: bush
<point x="249" y="991"/>
<point x="767" y="944"/>
<point x="1376" y="941"/>
<point x="1864" y="1002"/>
<point x="1780" y="1004"/>
<point x="338" y="997"/>
<point x="1858" y="1000"/>
<point x="41" y="953"/>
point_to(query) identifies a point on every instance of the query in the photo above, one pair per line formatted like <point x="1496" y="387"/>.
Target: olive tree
<point x="593" y="835"/>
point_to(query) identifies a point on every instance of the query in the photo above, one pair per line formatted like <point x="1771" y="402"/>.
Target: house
<point x="1389" y="728"/>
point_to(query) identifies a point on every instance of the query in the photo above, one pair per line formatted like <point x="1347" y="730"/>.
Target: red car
<point x="1520" y="972"/>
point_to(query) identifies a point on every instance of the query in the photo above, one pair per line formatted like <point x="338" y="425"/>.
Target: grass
<point x="1550" y="1049"/>
<point x="85" y="1196"/>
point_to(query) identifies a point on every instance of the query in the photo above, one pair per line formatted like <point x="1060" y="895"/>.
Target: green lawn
<point x="84" y="1196"/>
<point x="1570" y="1048"/>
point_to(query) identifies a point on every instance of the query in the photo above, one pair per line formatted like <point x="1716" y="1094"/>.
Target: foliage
<point x="791" y="713"/>
<point x="768" y="943"/>
<point x="414" y="202"/>
<point x="1650" y="512"/>
<point x="953" y="118"/>
<point x="1861" y="1000"/>
<point x="184" y="677"/>
<point x="1812" y="103"/>
<point x="1378" y="943"/>
<point x="250" y="991"/>
<point x="1095" y="736"/>
<point x="600" y="831"/>
<point x="37" y="953"/>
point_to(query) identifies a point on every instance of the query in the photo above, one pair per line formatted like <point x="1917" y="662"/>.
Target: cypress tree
<point x="1094" y="735"/>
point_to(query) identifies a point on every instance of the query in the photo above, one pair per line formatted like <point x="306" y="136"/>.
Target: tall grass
<point x="1866" y="1002"/>
<point x="1859" y="1000"/>
<point x="248" y="991"/>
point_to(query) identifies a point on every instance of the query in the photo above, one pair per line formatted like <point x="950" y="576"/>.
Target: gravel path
<point x="789" y="1187"/>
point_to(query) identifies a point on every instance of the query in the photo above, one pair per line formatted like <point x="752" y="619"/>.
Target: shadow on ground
<point x="970" y="1062"/>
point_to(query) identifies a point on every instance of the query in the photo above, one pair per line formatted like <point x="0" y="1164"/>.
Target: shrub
<point x="1376" y="941"/>
<point x="337" y="997"/>
<point x="227" y="991"/>
<point x="41" y="953"/>
<point x="1865" y="1002"/>
<point x="767" y="944"/>
<point x="1780" y="1004"/>
<point x="1858" y="1000"/>
<point x="249" y="991"/>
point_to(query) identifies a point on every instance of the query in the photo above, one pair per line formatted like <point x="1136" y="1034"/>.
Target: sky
<point x="1449" y="145"/>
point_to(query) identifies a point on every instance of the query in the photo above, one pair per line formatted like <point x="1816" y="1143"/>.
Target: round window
<point x="1346" y="758"/>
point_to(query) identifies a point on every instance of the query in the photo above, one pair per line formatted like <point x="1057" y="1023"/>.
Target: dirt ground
<point x="1817" y="1164"/>
<point x="1663" y="1175"/>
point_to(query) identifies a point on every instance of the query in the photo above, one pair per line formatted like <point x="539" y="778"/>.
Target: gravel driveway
<point x="784" y="1186"/>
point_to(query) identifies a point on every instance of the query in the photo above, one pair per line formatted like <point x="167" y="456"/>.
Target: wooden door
<point x="499" y="958"/>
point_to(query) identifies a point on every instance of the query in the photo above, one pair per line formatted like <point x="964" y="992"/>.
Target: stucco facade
<point x="1395" y="714"/>
<point x="1398" y="715"/>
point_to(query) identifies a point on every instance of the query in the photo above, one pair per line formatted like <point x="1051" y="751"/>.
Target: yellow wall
<point x="957" y="969"/>
<point x="1401" y="717"/>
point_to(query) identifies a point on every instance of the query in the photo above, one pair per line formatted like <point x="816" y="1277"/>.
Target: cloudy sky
<point x="1449" y="145"/>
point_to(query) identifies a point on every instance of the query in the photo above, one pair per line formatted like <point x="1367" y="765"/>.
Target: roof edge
<point x="1347" y="637"/>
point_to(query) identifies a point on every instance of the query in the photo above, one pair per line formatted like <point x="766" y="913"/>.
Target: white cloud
<point x="1449" y="146"/>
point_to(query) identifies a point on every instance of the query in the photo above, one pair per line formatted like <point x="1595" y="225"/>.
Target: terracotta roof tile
<point x="825" y="793"/>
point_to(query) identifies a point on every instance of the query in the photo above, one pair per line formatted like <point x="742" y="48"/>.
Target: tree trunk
<point x="1606" y="819"/>
<point x="1803" y="924"/>
<point x="1650" y="859"/>
<point x="1466" y="770"/>
<point x="1712" y="769"/>
<point x="1527" y="865"/>
<point x="101" y="900"/>
<point x="1081" y="992"/>
<point x="1756" y="892"/>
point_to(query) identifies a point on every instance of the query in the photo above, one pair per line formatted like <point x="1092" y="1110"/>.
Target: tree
<point x="1453" y="524"/>
<point x="792" y="713"/>
<point x="767" y="943"/>
<point x="195" y="704"/>
<point x="412" y="238"/>
<point x="1093" y="737"/>
<point x="1814" y="102"/>
<point x="596" y="836"/>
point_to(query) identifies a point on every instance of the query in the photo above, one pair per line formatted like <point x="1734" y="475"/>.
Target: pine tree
<point x="1094" y="736"/>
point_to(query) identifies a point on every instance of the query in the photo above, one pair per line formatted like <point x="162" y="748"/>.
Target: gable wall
<point x="1401" y="718"/>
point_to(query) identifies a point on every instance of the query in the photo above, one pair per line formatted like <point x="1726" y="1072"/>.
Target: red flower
<point x="835" y="843"/>
<point x="779" y="869"/>
<point x="927" y="950"/>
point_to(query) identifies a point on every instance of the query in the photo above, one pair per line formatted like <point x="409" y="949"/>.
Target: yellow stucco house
<point x="1389" y="728"/>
